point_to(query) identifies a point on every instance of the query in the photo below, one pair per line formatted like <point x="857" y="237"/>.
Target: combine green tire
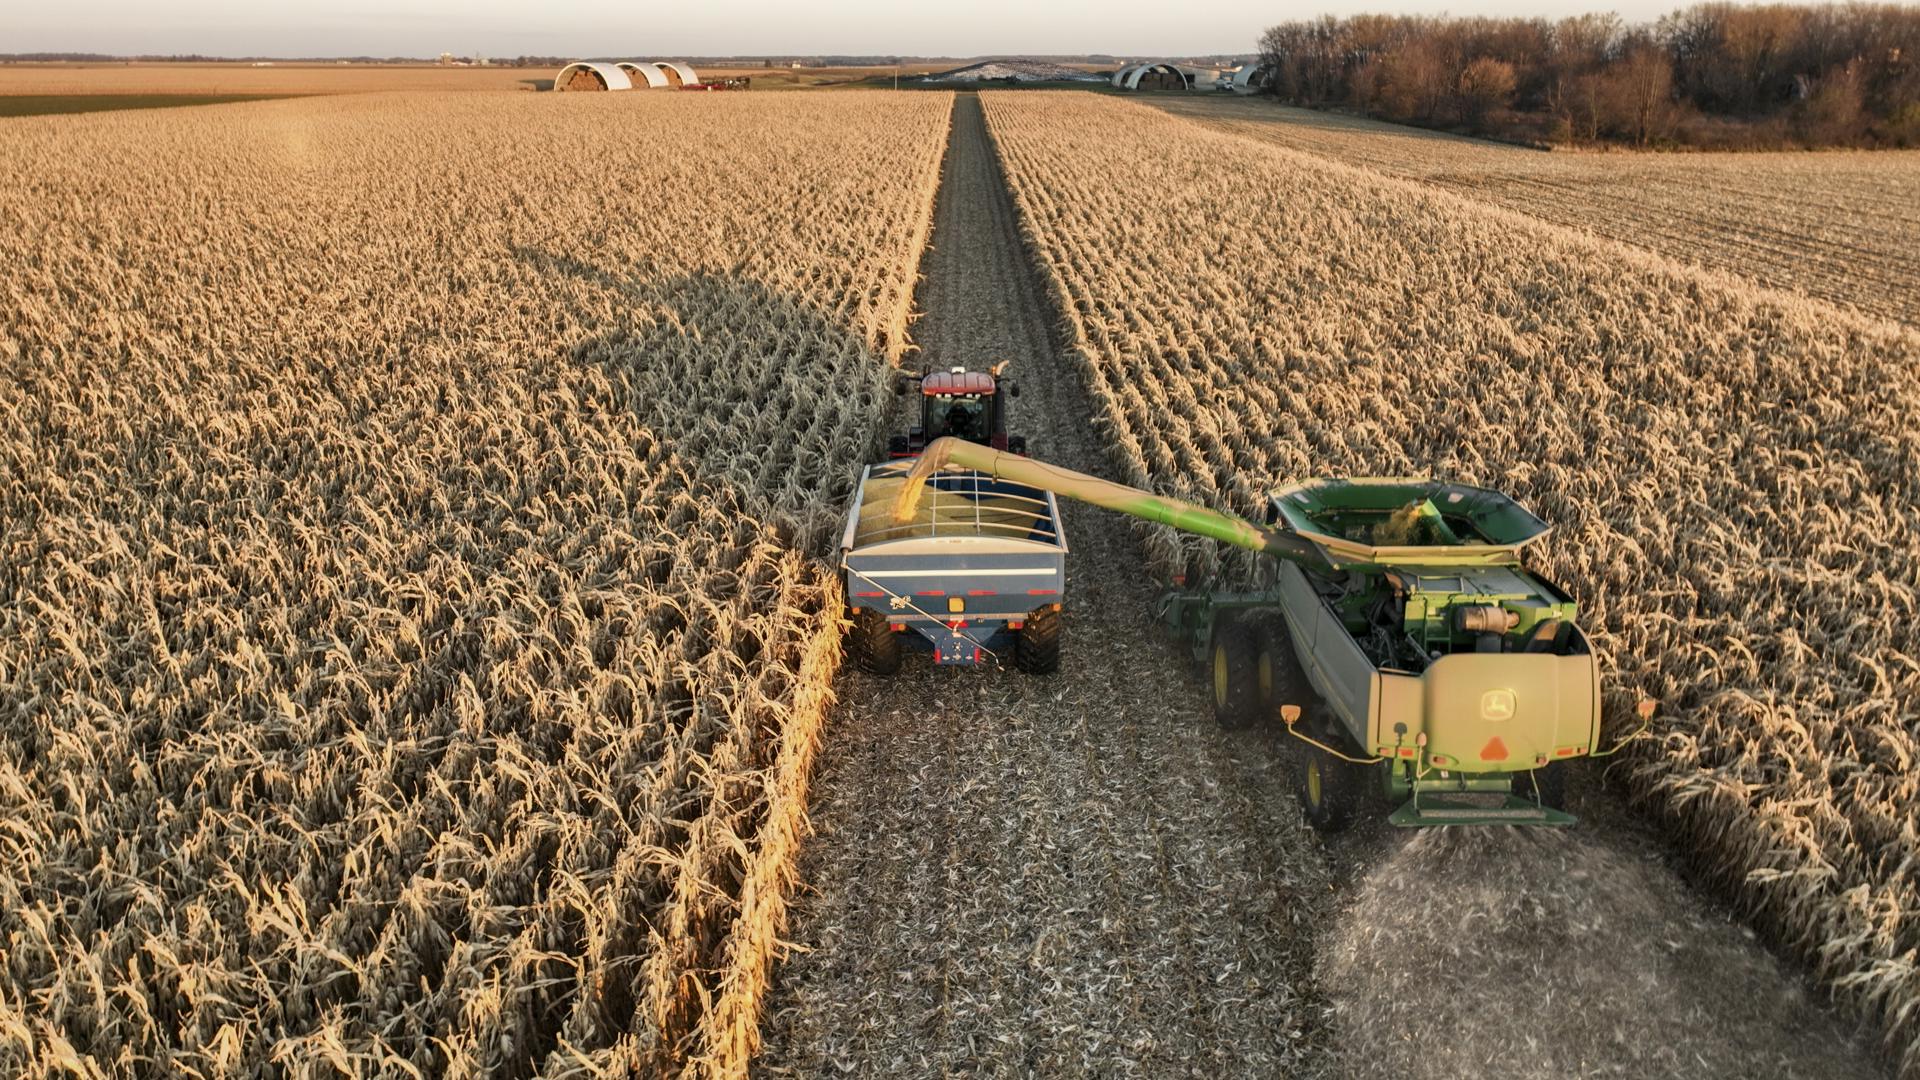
<point x="1547" y="785"/>
<point x="875" y="647"/>
<point x="1331" y="790"/>
<point x="1037" y="650"/>
<point x="1236" y="677"/>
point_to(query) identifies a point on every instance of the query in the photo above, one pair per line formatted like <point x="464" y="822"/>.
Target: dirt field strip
<point x="1068" y="876"/>
<point x="1366" y="326"/>
<point x="1840" y="225"/>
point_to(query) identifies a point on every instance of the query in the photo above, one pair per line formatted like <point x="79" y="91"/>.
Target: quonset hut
<point x="584" y="75"/>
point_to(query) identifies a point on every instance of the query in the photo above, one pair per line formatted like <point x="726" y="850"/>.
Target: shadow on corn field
<point x="1551" y="953"/>
<point x="784" y="363"/>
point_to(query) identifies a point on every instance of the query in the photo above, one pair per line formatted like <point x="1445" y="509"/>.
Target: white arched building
<point x="585" y="75"/>
<point x="1129" y="78"/>
<point x="679" y="74"/>
<point x="1249" y="78"/>
<point x="644" y="76"/>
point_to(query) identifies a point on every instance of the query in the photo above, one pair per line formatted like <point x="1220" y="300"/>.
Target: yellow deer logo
<point x="1496" y="705"/>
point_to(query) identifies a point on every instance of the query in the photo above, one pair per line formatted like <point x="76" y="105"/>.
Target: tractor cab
<point x="960" y="404"/>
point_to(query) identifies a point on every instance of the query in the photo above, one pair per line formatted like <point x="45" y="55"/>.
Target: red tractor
<point x="962" y="404"/>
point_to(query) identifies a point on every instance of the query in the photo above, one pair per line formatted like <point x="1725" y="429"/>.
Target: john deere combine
<point x="1401" y="640"/>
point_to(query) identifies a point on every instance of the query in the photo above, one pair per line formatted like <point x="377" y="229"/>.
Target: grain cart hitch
<point x="1403" y="643"/>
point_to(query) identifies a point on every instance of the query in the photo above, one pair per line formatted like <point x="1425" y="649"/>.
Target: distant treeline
<point x="1715" y="75"/>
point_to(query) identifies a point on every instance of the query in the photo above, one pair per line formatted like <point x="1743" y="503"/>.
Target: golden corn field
<point x="410" y="658"/>
<point x="1731" y="471"/>
<point x="1840" y="225"/>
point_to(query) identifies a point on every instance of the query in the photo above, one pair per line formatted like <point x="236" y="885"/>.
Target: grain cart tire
<point x="1547" y="785"/>
<point x="1037" y="650"/>
<point x="875" y="647"/>
<point x="1236" y="677"/>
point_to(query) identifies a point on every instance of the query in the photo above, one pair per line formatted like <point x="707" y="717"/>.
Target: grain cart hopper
<point x="1402" y="640"/>
<point x="977" y="569"/>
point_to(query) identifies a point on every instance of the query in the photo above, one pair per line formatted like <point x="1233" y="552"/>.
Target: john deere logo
<point x="1496" y="705"/>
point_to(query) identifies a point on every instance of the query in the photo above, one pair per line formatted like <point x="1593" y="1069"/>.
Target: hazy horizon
<point x="724" y="28"/>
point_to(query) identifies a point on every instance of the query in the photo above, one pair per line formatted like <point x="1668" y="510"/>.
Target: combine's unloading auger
<point x="1403" y="641"/>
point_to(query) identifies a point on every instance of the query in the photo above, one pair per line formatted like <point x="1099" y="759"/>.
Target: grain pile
<point x="1839" y="225"/>
<point x="1732" y="472"/>
<point x="409" y="661"/>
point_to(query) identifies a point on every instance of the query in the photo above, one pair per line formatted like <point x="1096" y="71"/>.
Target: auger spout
<point x="1106" y="494"/>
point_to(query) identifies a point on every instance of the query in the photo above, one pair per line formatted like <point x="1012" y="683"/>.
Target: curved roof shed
<point x="1250" y="77"/>
<point x="1163" y="68"/>
<point x="646" y="74"/>
<point x="589" y="76"/>
<point x="678" y="73"/>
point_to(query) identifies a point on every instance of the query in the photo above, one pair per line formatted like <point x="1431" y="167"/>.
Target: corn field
<point x="1840" y="225"/>
<point x="410" y="654"/>
<point x="1732" y="471"/>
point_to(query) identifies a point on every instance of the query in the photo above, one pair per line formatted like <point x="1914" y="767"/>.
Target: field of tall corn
<point x="410" y="657"/>
<point x="1733" y="473"/>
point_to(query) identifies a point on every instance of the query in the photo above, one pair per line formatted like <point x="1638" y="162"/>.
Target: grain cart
<point x="1401" y="639"/>
<point x="977" y="569"/>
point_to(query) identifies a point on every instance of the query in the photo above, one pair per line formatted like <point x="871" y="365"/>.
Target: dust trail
<point x="1549" y="953"/>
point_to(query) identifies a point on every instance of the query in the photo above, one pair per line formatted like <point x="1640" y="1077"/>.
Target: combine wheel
<point x="1037" y="650"/>
<point x="1278" y="672"/>
<point x="875" y="647"/>
<point x="1332" y="789"/>
<point x="1546" y="785"/>
<point x="1236" y="676"/>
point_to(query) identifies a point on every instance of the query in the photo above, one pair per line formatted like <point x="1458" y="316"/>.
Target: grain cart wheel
<point x="874" y="645"/>
<point x="1236" y="676"/>
<point x="1037" y="650"/>
<point x="1546" y="785"/>
<point x="1331" y="788"/>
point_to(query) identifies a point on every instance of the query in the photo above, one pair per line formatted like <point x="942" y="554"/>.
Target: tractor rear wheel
<point x="1236" y="675"/>
<point x="1037" y="650"/>
<point x="1546" y="785"/>
<point x="875" y="647"/>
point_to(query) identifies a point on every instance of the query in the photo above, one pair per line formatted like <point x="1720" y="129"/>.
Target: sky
<point x="698" y="27"/>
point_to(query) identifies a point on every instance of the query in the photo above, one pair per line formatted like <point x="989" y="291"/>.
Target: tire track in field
<point x="1076" y="875"/>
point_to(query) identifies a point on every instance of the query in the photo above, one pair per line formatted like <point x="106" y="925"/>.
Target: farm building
<point x="1249" y="78"/>
<point x="591" y="76"/>
<point x="677" y="74"/>
<point x="1160" y="75"/>
<point x="645" y="76"/>
<point x="625" y="75"/>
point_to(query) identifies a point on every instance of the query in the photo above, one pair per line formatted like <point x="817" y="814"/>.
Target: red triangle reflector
<point x="1495" y="750"/>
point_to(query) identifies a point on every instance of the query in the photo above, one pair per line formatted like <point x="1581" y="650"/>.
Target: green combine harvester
<point x="1403" y="641"/>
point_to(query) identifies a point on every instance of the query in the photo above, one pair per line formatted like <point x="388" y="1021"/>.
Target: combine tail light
<point x="1043" y="592"/>
<point x="869" y="594"/>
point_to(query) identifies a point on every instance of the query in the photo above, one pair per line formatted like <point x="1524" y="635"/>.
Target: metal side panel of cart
<point x="911" y="579"/>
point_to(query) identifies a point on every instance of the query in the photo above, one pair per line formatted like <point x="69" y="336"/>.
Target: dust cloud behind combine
<point x="1547" y="954"/>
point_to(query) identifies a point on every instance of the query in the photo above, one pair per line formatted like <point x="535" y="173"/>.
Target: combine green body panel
<point x="1432" y="656"/>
